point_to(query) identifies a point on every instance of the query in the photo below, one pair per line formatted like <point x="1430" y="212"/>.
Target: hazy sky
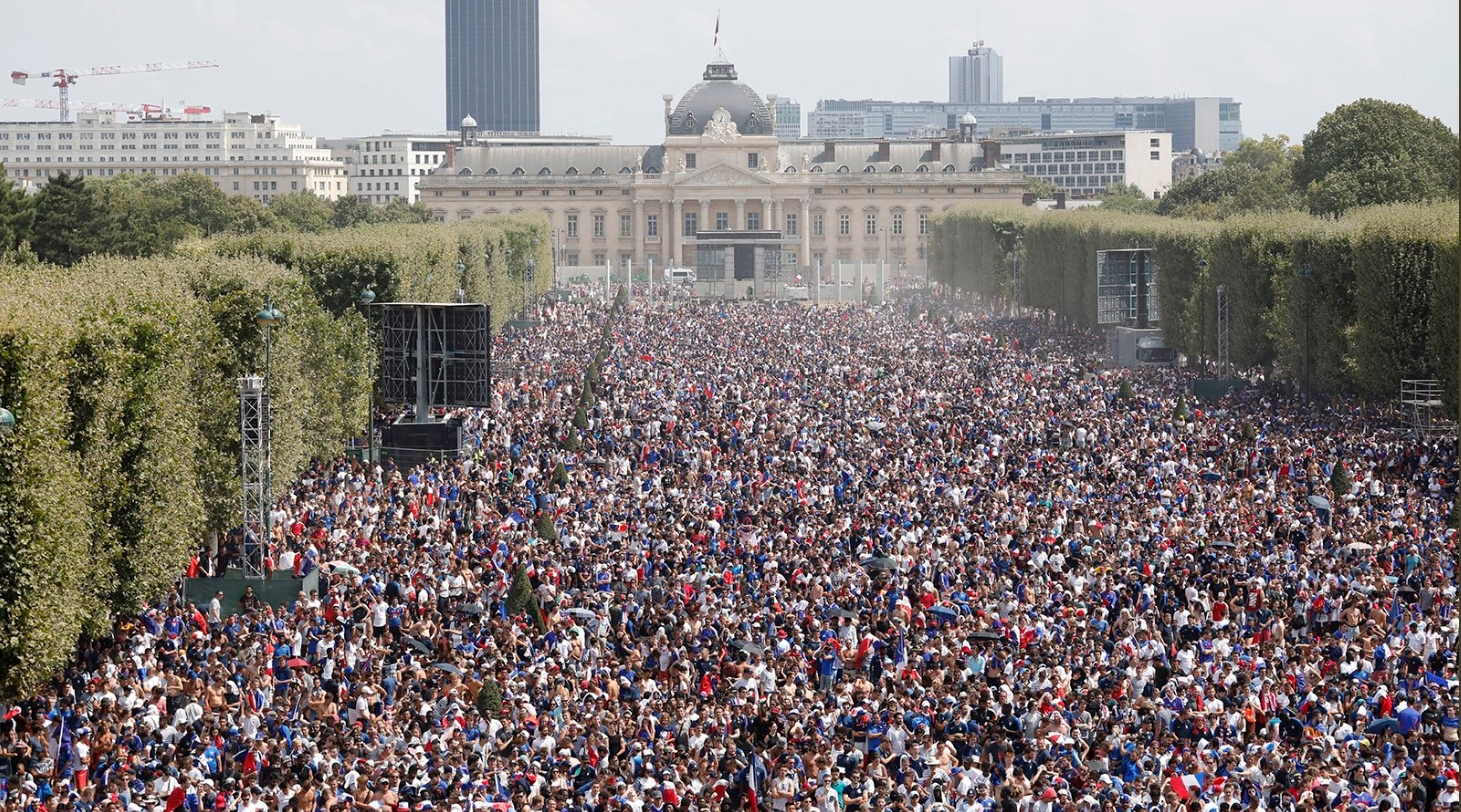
<point x="364" y="66"/>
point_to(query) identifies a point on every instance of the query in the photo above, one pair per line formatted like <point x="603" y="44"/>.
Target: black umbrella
<point x="880" y="564"/>
<point x="1320" y="502"/>
<point x="847" y="613"/>
<point x="1223" y="544"/>
<point x="448" y="668"/>
<point x="418" y="645"/>
<point x="747" y="646"/>
<point x="993" y="637"/>
<point x="582" y="613"/>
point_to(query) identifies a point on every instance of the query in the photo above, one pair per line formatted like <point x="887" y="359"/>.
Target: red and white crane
<point x="149" y="111"/>
<point x="64" y="78"/>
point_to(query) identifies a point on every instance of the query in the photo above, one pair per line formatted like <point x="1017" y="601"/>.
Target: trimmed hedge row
<point x="412" y="263"/>
<point x="122" y="375"/>
<point x="1380" y="306"/>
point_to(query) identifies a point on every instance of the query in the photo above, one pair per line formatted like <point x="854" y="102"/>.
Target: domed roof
<point x="969" y="119"/>
<point x="468" y="122"/>
<point x="718" y="89"/>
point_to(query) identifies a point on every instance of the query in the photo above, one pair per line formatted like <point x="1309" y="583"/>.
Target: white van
<point x="680" y="276"/>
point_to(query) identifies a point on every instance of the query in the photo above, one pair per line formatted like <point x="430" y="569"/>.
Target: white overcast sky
<point x="360" y="67"/>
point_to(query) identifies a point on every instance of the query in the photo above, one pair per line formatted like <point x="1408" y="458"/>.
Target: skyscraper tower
<point x="978" y="77"/>
<point x="492" y="64"/>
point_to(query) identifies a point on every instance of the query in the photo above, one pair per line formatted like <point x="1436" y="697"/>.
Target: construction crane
<point x="64" y="78"/>
<point x="150" y="111"/>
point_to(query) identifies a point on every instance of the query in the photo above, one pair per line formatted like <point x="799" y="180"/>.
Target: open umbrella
<point x="581" y="613"/>
<point x="993" y="637"/>
<point x="1358" y="547"/>
<point x="875" y="425"/>
<point x="1223" y="544"/>
<point x="418" y="645"/>
<point x="1319" y="502"/>
<point x="945" y="611"/>
<point x="747" y="646"/>
<point x="297" y="663"/>
<point x="343" y="568"/>
<point x="1210" y="475"/>
<point x="471" y="608"/>
<point x="880" y="564"/>
<point x="839" y="612"/>
<point x="448" y="668"/>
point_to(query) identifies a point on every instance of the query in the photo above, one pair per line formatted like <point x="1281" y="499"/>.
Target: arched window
<point x="465" y="171"/>
<point x="628" y="170"/>
<point x="572" y="170"/>
<point x="790" y="170"/>
<point x="895" y="168"/>
<point x="948" y="167"/>
<point x="598" y="170"/>
<point x="922" y="168"/>
<point x="518" y="171"/>
<point x="492" y="171"/>
<point x="545" y="171"/>
<point x="843" y="170"/>
<point x="817" y="169"/>
<point x="869" y="170"/>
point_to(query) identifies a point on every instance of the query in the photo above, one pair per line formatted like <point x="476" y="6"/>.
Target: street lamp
<point x="1202" y="310"/>
<point x="7" y="420"/>
<point x="1307" y="273"/>
<point x="268" y="318"/>
<point x="1060" y="249"/>
<point x="367" y="298"/>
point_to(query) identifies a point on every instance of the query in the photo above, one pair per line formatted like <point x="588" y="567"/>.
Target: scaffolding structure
<point x="1422" y="408"/>
<point x="1224" y="362"/>
<point x="253" y="411"/>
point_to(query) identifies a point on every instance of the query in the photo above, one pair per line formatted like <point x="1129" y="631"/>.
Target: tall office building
<point x="978" y="77"/>
<point x="788" y="119"/>
<point x="492" y="64"/>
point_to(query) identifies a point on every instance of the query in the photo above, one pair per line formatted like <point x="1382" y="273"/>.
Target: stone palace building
<point x="722" y="195"/>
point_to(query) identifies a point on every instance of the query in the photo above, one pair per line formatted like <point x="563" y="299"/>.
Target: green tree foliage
<point x="1127" y="197"/>
<point x="1370" y="152"/>
<point x="1042" y="188"/>
<point x="489" y="699"/>
<point x="353" y="210"/>
<point x="63" y="229"/>
<point x="1339" y="481"/>
<point x="546" y="530"/>
<point x="520" y="597"/>
<point x="302" y="211"/>
<point x="193" y="199"/>
<point x="16" y="214"/>
<point x="1379" y="304"/>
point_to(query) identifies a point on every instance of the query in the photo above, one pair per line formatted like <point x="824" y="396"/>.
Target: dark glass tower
<point x="492" y="64"/>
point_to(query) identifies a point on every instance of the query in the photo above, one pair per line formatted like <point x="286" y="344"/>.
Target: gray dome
<point x="969" y="119"/>
<point x="720" y="88"/>
<point x="469" y="122"/>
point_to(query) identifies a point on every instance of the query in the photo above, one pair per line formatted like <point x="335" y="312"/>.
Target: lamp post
<point x="7" y="420"/>
<point x="1202" y="310"/>
<point x="367" y="298"/>
<point x="268" y="318"/>
<point x="1060" y="249"/>
<point x="1306" y="273"/>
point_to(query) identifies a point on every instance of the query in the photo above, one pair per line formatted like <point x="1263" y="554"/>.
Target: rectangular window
<point x="1156" y="142"/>
<point x="871" y="225"/>
<point x="753" y="220"/>
<point x="817" y="227"/>
<point x="572" y="224"/>
<point x="844" y="224"/>
<point x="626" y="225"/>
<point x="598" y="225"/>
<point x="651" y="225"/>
<point x="600" y="258"/>
<point x="692" y="223"/>
<point x="791" y="225"/>
<point x="897" y="225"/>
<point x="1156" y="156"/>
<point x="923" y="224"/>
<point x="722" y="221"/>
<point x="753" y="160"/>
<point x="689" y="160"/>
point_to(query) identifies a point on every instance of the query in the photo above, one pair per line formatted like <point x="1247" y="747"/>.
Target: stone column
<point x="676" y="231"/>
<point x="740" y="222"/>
<point x="806" y="229"/>
<point x="640" y="232"/>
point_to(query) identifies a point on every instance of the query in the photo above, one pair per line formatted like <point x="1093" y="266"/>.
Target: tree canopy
<point x="1371" y="152"/>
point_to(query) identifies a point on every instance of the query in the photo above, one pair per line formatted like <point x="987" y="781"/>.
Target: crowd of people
<point x="841" y="559"/>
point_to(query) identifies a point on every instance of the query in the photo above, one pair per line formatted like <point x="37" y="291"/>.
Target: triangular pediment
<point x="723" y="174"/>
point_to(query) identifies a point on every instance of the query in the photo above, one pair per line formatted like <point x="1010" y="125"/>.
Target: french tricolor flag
<point x="1187" y="786"/>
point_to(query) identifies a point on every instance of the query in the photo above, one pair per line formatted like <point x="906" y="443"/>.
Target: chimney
<point x="884" y="150"/>
<point x="1028" y="198"/>
<point x="1060" y="200"/>
<point x="992" y="153"/>
<point x="936" y="150"/>
<point x="451" y="154"/>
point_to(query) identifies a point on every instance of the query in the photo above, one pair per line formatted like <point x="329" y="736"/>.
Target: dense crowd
<point x="844" y="559"/>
